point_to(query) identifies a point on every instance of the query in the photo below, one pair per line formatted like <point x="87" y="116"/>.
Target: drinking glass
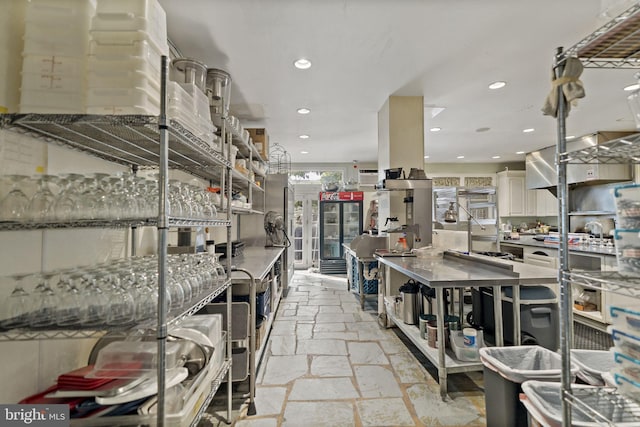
<point x="70" y="301"/>
<point x="176" y="207"/>
<point x="66" y="206"/>
<point x="96" y="301"/>
<point x="15" y="308"/>
<point x="45" y="303"/>
<point x="14" y="205"/>
<point x="122" y="307"/>
<point x="41" y="205"/>
<point x="208" y="205"/>
<point x="222" y="273"/>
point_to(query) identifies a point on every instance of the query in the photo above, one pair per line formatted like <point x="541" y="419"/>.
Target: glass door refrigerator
<point x="340" y="222"/>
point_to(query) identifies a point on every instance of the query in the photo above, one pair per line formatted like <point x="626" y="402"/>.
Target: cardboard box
<point x="260" y="139"/>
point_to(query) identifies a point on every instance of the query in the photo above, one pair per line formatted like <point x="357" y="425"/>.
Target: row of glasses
<point x="99" y="196"/>
<point x="119" y="294"/>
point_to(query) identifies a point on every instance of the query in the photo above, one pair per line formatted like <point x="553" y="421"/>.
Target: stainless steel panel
<point x="541" y="168"/>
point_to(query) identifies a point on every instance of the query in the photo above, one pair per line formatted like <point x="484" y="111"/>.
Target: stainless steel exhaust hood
<point x="541" y="168"/>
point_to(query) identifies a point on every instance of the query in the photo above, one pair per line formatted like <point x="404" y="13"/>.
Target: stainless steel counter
<point x="257" y="260"/>
<point x="529" y="241"/>
<point x="458" y="271"/>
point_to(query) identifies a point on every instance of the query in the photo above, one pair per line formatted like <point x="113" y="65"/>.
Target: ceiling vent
<point x="367" y="178"/>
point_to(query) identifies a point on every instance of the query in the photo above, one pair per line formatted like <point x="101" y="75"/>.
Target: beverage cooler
<point x="340" y="222"/>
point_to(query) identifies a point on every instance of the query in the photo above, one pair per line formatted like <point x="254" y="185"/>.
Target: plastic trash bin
<point x="505" y="368"/>
<point x="544" y="403"/>
<point x="592" y="365"/>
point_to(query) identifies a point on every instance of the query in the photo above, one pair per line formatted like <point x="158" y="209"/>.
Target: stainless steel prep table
<point x="361" y="262"/>
<point x="456" y="270"/>
<point x="253" y="265"/>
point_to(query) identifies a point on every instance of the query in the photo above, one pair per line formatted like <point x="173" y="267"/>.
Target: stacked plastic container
<point x="625" y="332"/>
<point x="188" y="103"/>
<point x="56" y="41"/>
<point x="627" y="232"/>
<point x="128" y="38"/>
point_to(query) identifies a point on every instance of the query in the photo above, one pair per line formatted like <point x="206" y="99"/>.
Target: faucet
<point x="588" y="225"/>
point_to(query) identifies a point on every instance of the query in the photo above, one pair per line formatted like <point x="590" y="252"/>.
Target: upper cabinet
<point x="515" y="200"/>
<point x="512" y="200"/>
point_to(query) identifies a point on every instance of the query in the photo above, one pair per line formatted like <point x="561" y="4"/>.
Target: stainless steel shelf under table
<point x="456" y="270"/>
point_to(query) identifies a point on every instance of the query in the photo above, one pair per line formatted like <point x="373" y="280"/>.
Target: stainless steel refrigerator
<point x="340" y="222"/>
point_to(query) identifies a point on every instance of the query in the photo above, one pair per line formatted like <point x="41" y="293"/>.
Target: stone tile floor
<point x="329" y="364"/>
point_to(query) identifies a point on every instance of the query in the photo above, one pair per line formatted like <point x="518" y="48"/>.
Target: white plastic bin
<point x="628" y="251"/>
<point x="139" y="50"/>
<point x="51" y="64"/>
<point x="592" y="365"/>
<point x="60" y="11"/>
<point x="39" y="101"/>
<point x="56" y="37"/>
<point x="505" y="368"/>
<point x="53" y="82"/>
<point x="626" y="318"/>
<point x="124" y="74"/>
<point x="122" y="101"/>
<point x="627" y="199"/>
<point x="546" y="403"/>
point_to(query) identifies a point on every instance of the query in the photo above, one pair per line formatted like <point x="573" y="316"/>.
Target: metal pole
<point x="566" y="308"/>
<point x="226" y="191"/>
<point x="251" y="410"/>
<point x="442" y="370"/>
<point x="163" y="220"/>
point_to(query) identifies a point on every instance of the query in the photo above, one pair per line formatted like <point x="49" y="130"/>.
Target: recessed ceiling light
<point x="460" y="157"/>
<point x="435" y="129"/>
<point x="519" y="152"/>
<point x="497" y="85"/>
<point x="304" y="152"/>
<point x="303" y="110"/>
<point x="304" y="137"/>
<point x="632" y="87"/>
<point x="495" y="157"/>
<point x="302" y="63"/>
<point x="426" y="157"/>
<point x="528" y="130"/>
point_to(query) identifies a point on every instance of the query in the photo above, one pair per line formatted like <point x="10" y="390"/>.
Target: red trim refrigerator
<point x="340" y="222"/>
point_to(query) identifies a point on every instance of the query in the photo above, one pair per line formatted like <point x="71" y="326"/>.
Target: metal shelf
<point x="127" y="140"/>
<point x="610" y="281"/>
<point x="614" y="45"/>
<point x="103" y="223"/>
<point x="598" y="402"/>
<point x="215" y="385"/>
<point x="174" y="317"/>
<point x="617" y="151"/>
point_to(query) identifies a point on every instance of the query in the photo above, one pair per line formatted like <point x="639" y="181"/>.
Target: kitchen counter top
<point x="530" y="241"/>
<point x="257" y="259"/>
<point x="469" y="270"/>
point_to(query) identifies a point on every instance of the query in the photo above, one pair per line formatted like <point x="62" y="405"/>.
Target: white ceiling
<point x="363" y="51"/>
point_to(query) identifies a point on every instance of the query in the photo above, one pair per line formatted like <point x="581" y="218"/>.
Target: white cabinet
<point x="511" y="198"/>
<point x="515" y="200"/>
<point x="546" y="203"/>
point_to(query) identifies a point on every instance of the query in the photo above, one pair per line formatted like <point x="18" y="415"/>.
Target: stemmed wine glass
<point x="69" y="312"/>
<point x="66" y="206"/>
<point x="15" y="308"/>
<point x="41" y="205"/>
<point x="14" y="205"/>
<point x="45" y="303"/>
